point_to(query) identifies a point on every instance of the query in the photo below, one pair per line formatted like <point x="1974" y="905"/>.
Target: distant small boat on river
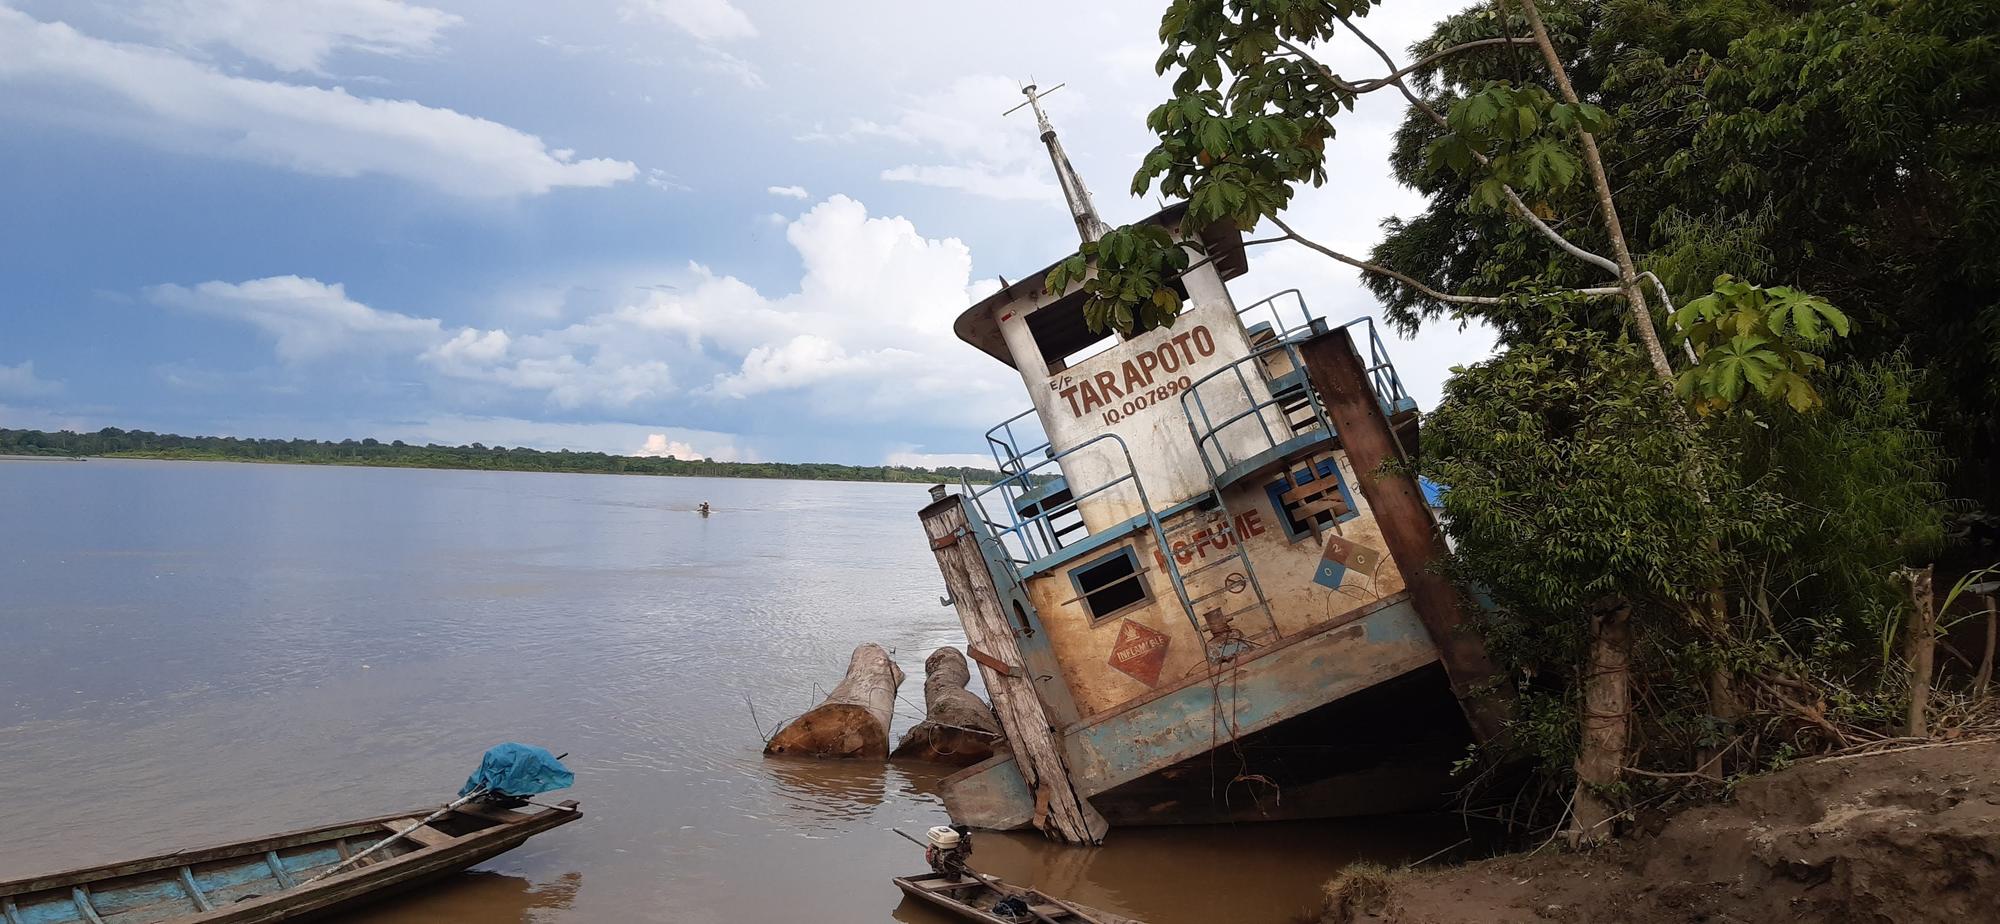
<point x="266" y="879"/>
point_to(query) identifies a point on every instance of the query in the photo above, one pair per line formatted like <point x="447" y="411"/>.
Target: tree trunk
<point x="854" y="719"/>
<point x="1607" y="708"/>
<point x="958" y="728"/>
<point x="1921" y="648"/>
<point x="1628" y="272"/>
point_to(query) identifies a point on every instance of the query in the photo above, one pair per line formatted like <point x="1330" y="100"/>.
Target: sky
<point x="736" y="229"/>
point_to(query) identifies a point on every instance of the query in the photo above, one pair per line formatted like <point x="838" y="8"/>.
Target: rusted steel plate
<point x="1273" y="686"/>
<point x="999" y="667"/>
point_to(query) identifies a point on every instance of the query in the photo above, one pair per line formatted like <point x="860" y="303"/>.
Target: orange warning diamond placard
<point x="1140" y="652"/>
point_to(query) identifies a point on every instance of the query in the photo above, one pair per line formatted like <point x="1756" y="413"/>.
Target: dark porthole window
<point x="1109" y="584"/>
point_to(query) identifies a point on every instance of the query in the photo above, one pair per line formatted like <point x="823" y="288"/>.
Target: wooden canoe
<point x="265" y="879"/>
<point x="971" y="899"/>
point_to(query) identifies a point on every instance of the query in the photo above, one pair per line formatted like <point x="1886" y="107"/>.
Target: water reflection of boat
<point x="272" y="878"/>
<point x="479" y="895"/>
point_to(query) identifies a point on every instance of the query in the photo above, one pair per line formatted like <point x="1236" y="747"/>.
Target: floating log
<point x="853" y="721"/>
<point x="958" y="727"/>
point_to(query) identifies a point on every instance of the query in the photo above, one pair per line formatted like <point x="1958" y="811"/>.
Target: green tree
<point x="1833" y="147"/>
<point x="1517" y="118"/>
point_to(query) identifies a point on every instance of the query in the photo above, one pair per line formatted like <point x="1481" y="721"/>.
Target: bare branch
<point x="1593" y="162"/>
<point x="1204" y="261"/>
<point x="1379" y="270"/>
<point x="1325" y="71"/>
<point x="1667" y="303"/>
<point x="1397" y="75"/>
<point x="1513" y="198"/>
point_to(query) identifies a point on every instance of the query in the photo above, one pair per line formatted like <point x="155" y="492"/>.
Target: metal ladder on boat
<point x="1219" y="623"/>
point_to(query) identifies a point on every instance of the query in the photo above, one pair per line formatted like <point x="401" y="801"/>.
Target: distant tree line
<point x="114" y="442"/>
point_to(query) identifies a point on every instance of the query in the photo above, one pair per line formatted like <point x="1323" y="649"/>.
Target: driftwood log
<point x="958" y="727"/>
<point x="854" y="719"/>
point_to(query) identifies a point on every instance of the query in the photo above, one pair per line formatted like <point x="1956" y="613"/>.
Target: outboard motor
<point x="947" y="850"/>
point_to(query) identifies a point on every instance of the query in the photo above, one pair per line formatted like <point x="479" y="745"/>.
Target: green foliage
<point x="1568" y="475"/>
<point x="1571" y="491"/>
<point x="1503" y="135"/>
<point x="1865" y="484"/>
<point x="142" y="444"/>
<point x="1833" y="147"/>
<point x="1750" y="340"/>
<point x="1246" y="122"/>
<point x="1134" y="289"/>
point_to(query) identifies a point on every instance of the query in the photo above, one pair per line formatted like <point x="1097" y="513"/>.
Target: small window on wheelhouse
<point x="1109" y="584"/>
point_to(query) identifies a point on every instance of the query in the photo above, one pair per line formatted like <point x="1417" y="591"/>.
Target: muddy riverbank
<point x="1904" y="836"/>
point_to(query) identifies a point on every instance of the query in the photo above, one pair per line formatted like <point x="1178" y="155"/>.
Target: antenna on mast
<point x="1088" y="225"/>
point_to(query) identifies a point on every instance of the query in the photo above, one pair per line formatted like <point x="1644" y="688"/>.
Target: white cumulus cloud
<point x="296" y="35"/>
<point x="20" y="381"/>
<point x="660" y="446"/>
<point x="789" y="192"/>
<point x="307" y="318"/>
<point x="984" y="155"/>
<point x="914" y="459"/>
<point x="168" y="99"/>
<point x="706" y="20"/>
<point x="866" y="335"/>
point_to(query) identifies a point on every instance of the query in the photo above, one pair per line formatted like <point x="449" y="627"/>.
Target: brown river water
<point x="202" y="652"/>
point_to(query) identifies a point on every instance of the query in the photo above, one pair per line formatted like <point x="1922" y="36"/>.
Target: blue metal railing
<point x="1290" y="321"/>
<point x="1005" y="445"/>
<point x="1275" y="304"/>
<point x="1208" y="433"/>
<point x="1282" y="384"/>
<point x="1382" y="372"/>
<point x="1027" y="540"/>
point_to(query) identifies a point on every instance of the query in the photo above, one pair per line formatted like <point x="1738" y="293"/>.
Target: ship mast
<point x="1088" y="225"/>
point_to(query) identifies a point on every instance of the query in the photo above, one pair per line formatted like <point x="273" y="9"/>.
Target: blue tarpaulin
<point x="1433" y="492"/>
<point x="519" y="770"/>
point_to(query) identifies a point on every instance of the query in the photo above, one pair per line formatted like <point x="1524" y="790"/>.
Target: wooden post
<point x="1060" y="812"/>
<point x="854" y="719"/>
<point x="1341" y="380"/>
<point x="1921" y="647"/>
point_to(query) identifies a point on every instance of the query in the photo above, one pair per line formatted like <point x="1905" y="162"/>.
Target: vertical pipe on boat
<point x="1337" y="373"/>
